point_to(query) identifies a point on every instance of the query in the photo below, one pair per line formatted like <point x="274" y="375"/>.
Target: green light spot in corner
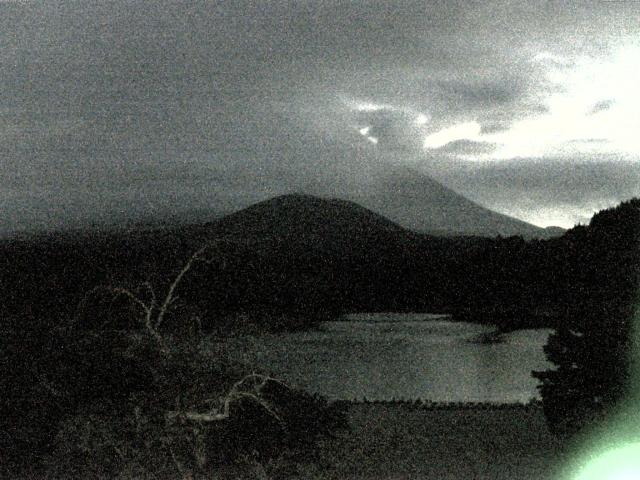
<point x="619" y="464"/>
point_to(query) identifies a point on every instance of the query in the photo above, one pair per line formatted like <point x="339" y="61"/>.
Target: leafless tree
<point x="153" y="308"/>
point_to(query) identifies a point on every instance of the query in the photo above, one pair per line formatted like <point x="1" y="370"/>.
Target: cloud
<point x="556" y="60"/>
<point x="467" y="148"/>
<point x="394" y="128"/>
<point x="601" y="106"/>
<point x="494" y="126"/>
<point x="547" y="191"/>
<point x="108" y="103"/>
<point x="482" y="93"/>
<point x="460" y="131"/>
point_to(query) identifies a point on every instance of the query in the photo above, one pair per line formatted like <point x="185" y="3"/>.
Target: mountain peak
<point x="422" y="204"/>
<point x="303" y="214"/>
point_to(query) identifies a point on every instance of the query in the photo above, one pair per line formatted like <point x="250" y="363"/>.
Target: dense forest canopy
<point x="593" y="347"/>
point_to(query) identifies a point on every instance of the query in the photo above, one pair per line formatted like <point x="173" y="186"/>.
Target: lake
<point x="410" y="356"/>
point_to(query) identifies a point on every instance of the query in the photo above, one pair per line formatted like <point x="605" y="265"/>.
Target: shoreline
<point x="421" y="404"/>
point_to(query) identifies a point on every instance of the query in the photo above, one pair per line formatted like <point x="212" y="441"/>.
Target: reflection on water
<point x="385" y="356"/>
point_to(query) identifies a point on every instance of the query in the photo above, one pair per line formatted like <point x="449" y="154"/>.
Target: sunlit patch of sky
<point x="565" y="216"/>
<point x="460" y="131"/>
<point x="587" y="99"/>
<point x="583" y="105"/>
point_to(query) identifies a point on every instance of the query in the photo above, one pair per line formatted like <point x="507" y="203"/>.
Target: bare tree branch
<point x="153" y="293"/>
<point x="80" y="307"/>
<point x="169" y="297"/>
<point x="132" y="297"/>
<point x="196" y="257"/>
<point x="234" y="394"/>
<point x="152" y="322"/>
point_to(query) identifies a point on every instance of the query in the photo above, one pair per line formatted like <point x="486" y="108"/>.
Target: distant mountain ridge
<point x="420" y="203"/>
<point x="404" y="197"/>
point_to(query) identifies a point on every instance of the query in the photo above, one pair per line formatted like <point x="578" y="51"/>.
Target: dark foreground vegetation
<point x="116" y="405"/>
<point x="392" y="440"/>
<point x="102" y="375"/>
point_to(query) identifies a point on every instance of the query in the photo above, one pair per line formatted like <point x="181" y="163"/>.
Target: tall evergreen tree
<point x="592" y="349"/>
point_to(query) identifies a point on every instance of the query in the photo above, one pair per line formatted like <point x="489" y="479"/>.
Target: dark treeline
<point x="310" y="259"/>
<point x="592" y="346"/>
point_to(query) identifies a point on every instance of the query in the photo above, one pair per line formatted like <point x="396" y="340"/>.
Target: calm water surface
<point x="385" y="356"/>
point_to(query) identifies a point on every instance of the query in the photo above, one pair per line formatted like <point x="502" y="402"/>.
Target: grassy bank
<point x="400" y="441"/>
<point x="408" y="441"/>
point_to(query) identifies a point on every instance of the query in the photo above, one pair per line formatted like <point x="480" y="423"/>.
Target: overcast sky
<point x="125" y="109"/>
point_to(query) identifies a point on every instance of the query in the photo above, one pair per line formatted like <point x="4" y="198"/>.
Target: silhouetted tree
<point x="591" y="349"/>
